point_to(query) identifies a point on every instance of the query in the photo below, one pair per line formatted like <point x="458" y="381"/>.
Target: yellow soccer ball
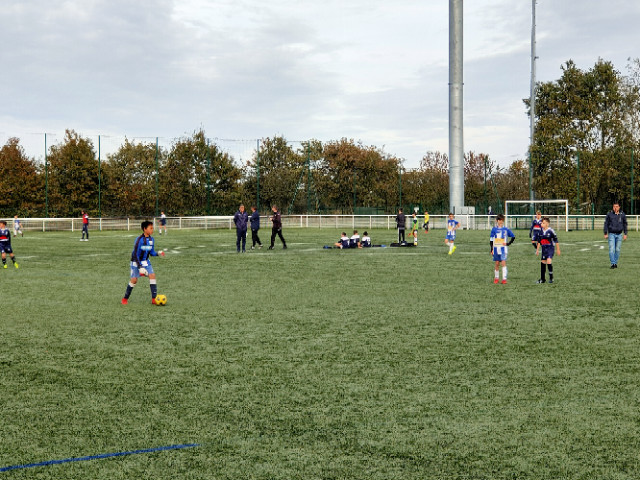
<point x="161" y="300"/>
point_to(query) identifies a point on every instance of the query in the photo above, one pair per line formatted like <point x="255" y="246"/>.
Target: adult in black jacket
<point x="400" y="225"/>
<point x="615" y="230"/>
<point x="276" y="229"/>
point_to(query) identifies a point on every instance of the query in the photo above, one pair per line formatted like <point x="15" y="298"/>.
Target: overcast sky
<point x="372" y="70"/>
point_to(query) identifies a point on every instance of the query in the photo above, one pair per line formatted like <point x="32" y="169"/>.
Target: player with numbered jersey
<point x="546" y="242"/>
<point x="366" y="240"/>
<point x="500" y="239"/>
<point x="452" y="226"/>
<point x="343" y="242"/>
<point x="354" y="241"/>
<point x="5" y="245"/>
<point x="143" y="249"/>
<point x="536" y="228"/>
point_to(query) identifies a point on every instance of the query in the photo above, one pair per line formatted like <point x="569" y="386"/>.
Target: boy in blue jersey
<point x="343" y="242"/>
<point x="17" y="227"/>
<point x="452" y="226"/>
<point x="536" y="228"/>
<point x="501" y="237"/>
<point x="5" y="245"/>
<point x="140" y="264"/>
<point x="354" y="241"/>
<point x="366" y="240"/>
<point x="547" y="239"/>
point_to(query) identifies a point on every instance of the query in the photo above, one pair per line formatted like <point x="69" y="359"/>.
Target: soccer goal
<point x="520" y="212"/>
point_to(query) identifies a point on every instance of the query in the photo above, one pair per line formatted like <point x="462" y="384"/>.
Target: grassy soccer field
<point x="309" y="363"/>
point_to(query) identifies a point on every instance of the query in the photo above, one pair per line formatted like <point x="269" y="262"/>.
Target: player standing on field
<point x="452" y="226"/>
<point x="414" y="228"/>
<point x="85" y="226"/>
<point x="547" y="239"/>
<point x="163" y="223"/>
<point x="425" y="225"/>
<point x="254" y="220"/>
<point x="143" y="248"/>
<point x="501" y="237"/>
<point x="17" y="227"/>
<point x="5" y="245"/>
<point x="536" y="228"/>
<point x="241" y="219"/>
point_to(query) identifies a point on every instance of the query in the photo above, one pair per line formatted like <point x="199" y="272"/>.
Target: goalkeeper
<point x="140" y="263"/>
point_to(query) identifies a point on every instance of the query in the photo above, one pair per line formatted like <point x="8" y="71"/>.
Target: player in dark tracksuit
<point x="240" y="219"/>
<point x="400" y="225"/>
<point x="143" y="249"/>
<point x="276" y="229"/>
<point x="254" y="219"/>
<point x="5" y="245"/>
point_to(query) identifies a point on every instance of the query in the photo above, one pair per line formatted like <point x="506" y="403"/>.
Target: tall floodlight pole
<point x="456" y="138"/>
<point x="532" y="118"/>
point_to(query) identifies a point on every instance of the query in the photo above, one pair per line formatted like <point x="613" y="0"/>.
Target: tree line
<point x="585" y="149"/>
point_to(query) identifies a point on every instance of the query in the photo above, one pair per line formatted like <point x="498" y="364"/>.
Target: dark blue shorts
<point x="547" y="252"/>
<point x="5" y="248"/>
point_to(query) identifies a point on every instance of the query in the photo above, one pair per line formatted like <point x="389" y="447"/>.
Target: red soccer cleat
<point x="504" y="282"/>
<point x="495" y="280"/>
<point x="124" y="301"/>
<point x="153" y="301"/>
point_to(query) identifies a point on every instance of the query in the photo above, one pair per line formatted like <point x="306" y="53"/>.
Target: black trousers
<point x="241" y="236"/>
<point x="255" y="238"/>
<point x="277" y="232"/>
<point x="85" y="230"/>
<point x="401" y="235"/>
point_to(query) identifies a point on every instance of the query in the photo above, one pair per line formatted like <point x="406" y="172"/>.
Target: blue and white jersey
<point x="354" y="240"/>
<point x="451" y="228"/>
<point x="143" y="249"/>
<point x="344" y="242"/>
<point x="366" y="241"/>
<point x="547" y="238"/>
<point x="500" y="238"/>
<point x="163" y="219"/>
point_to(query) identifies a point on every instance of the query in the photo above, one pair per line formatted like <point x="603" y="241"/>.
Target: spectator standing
<point x="276" y="229"/>
<point x="615" y="231"/>
<point x="241" y="219"/>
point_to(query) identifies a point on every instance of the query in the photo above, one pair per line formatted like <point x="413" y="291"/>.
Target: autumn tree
<point x="72" y="176"/>
<point x="21" y="184"/>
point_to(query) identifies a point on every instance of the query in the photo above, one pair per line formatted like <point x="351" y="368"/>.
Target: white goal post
<point x="564" y="218"/>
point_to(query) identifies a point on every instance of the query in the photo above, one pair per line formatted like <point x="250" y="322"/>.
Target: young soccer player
<point x="5" y="245"/>
<point x="501" y="237"/>
<point x="343" y="242"/>
<point x="366" y="240"/>
<point x="354" y="241"/>
<point x="254" y="220"/>
<point x="140" y="263"/>
<point x="425" y="225"/>
<point x="414" y="228"/>
<point x="163" y="223"/>
<point x="536" y="228"/>
<point x="17" y="227"/>
<point x="85" y="226"/>
<point x="547" y="239"/>
<point x="452" y="226"/>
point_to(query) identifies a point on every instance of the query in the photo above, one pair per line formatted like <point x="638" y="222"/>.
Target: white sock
<point x="504" y="273"/>
<point x="497" y="273"/>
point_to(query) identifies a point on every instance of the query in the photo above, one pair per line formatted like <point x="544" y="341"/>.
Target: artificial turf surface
<point x="306" y="363"/>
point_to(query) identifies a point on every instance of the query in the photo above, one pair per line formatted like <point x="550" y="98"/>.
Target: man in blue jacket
<point x="615" y="230"/>
<point x="255" y="226"/>
<point x="240" y="219"/>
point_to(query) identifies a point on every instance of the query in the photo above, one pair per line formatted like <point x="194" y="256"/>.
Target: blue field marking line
<point x="98" y="457"/>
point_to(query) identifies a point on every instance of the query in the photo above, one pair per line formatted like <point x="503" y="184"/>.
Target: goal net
<point x="519" y="213"/>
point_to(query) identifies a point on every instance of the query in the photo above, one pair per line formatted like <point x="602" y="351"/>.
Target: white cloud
<point x="370" y="70"/>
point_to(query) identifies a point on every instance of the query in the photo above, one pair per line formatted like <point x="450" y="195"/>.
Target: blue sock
<point x="127" y="294"/>
<point x="154" y="288"/>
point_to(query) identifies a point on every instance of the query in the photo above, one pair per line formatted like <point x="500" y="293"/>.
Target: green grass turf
<point x="309" y="363"/>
